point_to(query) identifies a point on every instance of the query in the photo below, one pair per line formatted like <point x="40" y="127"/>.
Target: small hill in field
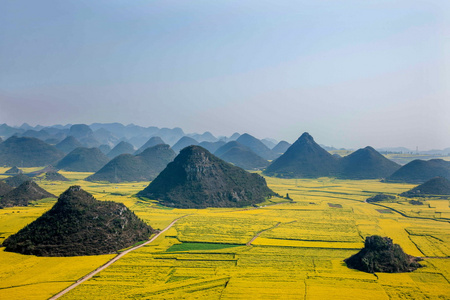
<point x="54" y="176"/>
<point x="380" y="197"/>
<point x="14" y="170"/>
<point x="5" y="188"/>
<point x="121" y="148"/>
<point x="366" y="163"/>
<point x="198" y="179"/>
<point x="304" y="159"/>
<point x="153" y="141"/>
<point x="281" y="147"/>
<point x="142" y="167"/>
<point x="256" y="146"/>
<point x="438" y="186"/>
<point x="69" y="144"/>
<point x="78" y="224"/>
<point x="16" y="180"/>
<point x="241" y="156"/>
<point x="184" y="142"/>
<point x="23" y="194"/>
<point x="83" y="160"/>
<point x="419" y="171"/>
<point x="27" y="152"/>
<point x="381" y="255"/>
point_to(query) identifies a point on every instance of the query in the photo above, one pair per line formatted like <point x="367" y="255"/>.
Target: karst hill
<point x="27" y="152"/>
<point x="438" y="186"/>
<point x="78" y="224"/>
<point x="304" y="159"/>
<point x="198" y="179"/>
<point x="83" y="160"/>
<point x="380" y="254"/>
<point x="366" y="163"/>
<point x="23" y="194"/>
<point x="419" y="171"/>
<point x="142" y="167"/>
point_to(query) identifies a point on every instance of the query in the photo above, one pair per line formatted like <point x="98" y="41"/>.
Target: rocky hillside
<point x="381" y="255"/>
<point x="198" y="179"/>
<point x="78" y="224"/>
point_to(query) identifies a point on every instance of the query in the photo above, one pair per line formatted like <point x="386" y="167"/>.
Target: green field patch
<point x="199" y="246"/>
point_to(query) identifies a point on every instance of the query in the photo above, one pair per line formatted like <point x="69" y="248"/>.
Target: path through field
<point x="98" y="270"/>
<point x="257" y="235"/>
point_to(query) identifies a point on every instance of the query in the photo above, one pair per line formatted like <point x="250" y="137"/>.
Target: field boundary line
<point x="116" y="258"/>
<point x="257" y="234"/>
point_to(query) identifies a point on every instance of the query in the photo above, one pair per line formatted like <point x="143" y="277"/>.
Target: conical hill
<point x="438" y="186"/>
<point x="241" y="156"/>
<point x="23" y="194"/>
<point x="69" y="144"/>
<point x="5" y="188"/>
<point x="78" y="224"/>
<point x="54" y="176"/>
<point x="256" y="146"/>
<point x="304" y="159"/>
<point x="419" y="171"/>
<point x="198" y="179"/>
<point x="381" y="255"/>
<point x="142" y="167"/>
<point x="153" y="141"/>
<point x="121" y="148"/>
<point x="27" y="152"/>
<point x="16" y="180"/>
<point x="14" y="170"/>
<point x="184" y="142"/>
<point x="281" y="147"/>
<point x="83" y="160"/>
<point x="366" y="163"/>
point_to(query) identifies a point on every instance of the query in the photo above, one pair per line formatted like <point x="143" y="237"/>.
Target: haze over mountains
<point x="144" y="166"/>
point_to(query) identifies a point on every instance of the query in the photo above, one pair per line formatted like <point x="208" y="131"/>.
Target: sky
<point x="351" y="73"/>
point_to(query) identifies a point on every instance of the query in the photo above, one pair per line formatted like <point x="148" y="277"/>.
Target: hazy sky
<point x="351" y="73"/>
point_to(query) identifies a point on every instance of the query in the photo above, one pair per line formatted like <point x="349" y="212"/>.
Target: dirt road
<point x="93" y="273"/>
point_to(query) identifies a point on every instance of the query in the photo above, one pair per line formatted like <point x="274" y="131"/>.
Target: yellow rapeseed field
<point x="277" y="251"/>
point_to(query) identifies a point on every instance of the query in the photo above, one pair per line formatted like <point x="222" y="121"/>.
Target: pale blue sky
<point x="352" y="73"/>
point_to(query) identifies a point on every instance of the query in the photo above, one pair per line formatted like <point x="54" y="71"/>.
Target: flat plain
<point x="279" y="250"/>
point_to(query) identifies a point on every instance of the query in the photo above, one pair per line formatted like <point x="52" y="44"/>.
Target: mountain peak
<point x="198" y="179"/>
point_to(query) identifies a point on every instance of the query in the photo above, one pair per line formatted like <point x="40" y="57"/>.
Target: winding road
<point x="116" y="258"/>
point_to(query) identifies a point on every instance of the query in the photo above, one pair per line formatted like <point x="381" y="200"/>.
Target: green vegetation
<point x="83" y="160"/>
<point x="198" y="179"/>
<point x="381" y="255"/>
<point x="23" y="194"/>
<point x="144" y="166"/>
<point x="27" y="152"/>
<point x="78" y="224"/>
<point x="438" y="187"/>
<point x="420" y="171"/>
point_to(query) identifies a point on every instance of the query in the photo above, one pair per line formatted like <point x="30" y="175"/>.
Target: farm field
<point x="296" y="252"/>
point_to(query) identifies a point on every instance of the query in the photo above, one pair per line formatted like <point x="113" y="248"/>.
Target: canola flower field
<point x="280" y="250"/>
